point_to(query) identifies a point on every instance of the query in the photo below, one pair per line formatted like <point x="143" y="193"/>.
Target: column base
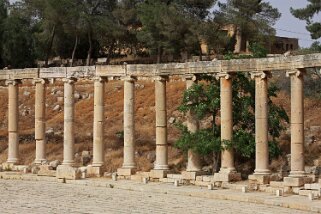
<point x="12" y="160"/>
<point x="296" y="181"/>
<point x="158" y="173"/>
<point x="68" y="172"/>
<point x="68" y="162"/>
<point x="126" y="171"/>
<point x="260" y="178"/>
<point x="189" y="175"/>
<point x="297" y="174"/>
<point x="95" y="171"/>
<point x="161" y="167"/>
<point x="231" y="176"/>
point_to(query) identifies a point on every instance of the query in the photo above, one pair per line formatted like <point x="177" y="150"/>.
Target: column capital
<point x="100" y="79"/>
<point x="40" y="80"/>
<point x="129" y="78"/>
<point x="224" y="75"/>
<point x="297" y="73"/>
<point x="12" y="82"/>
<point x="260" y="74"/>
<point x="192" y="77"/>
<point x="161" y="78"/>
<point x="69" y="80"/>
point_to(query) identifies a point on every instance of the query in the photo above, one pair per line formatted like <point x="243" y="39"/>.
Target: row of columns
<point x="161" y="163"/>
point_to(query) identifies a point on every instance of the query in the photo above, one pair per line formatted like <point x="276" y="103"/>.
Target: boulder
<point x="56" y="108"/>
<point x="54" y="164"/>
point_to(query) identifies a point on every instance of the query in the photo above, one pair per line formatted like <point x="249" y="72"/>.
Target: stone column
<point x="262" y="172"/>
<point x="69" y="112"/>
<point x="297" y="124"/>
<point x="194" y="159"/>
<point x="129" y="164"/>
<point x="227" y="171"/>
<point x="161" y="162"/>
<point x="261" y="124"/>
<point x="297" y="175"/>
<point x="40" y="120"/>
<point x="99" y="119"/>
<point x="13" y="116"/>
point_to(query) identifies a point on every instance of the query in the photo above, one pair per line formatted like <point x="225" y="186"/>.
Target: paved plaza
<point x="48" y="197"/>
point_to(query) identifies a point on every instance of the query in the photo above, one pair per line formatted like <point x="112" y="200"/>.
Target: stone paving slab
<point x="50" y="197"/>
<point x="189" y="196"/>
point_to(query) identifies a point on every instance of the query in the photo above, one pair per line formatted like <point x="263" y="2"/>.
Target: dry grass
<point x="144" y="120"/>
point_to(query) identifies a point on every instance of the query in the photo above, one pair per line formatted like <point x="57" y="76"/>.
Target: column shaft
<point x="13" y="116"/>
<point x="261" y="125"/>
<point x="227" y="156"/>
<point x="129" y="123"/>
<point x="40" y="120"/>
<point x="99" y="118"/>
<point x="297" y="125"/>
<point x="161" y="162"/>
<point x="69" y="113"/>
<point x="194" y="160"/>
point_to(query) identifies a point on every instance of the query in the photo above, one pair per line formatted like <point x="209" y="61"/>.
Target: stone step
<point x="174" y="176"/>
<point x="313" y="186"/>
<point x="278" y="184"/>
<point x="306" y="192"/>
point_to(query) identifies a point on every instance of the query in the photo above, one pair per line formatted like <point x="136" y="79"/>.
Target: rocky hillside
<point x="145" y="123"/>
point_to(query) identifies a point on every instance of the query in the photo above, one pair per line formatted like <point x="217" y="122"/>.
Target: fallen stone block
<point x="94" y="171"/>
<point x="296" y="182"/>
<point x="125" y="172"/>
<point x="192" y="175"/>
<point x="155" y="173"/>
<point x="259" y="179"/>
<point x="68" y="172"/>
<point x="227" y="176"/>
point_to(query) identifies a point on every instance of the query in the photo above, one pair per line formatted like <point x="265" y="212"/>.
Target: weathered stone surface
<point x="54" y="164"/>
<point x="157" y="173"/>
<point x="191" y="175"/>
<point x="296" y="182"/>
<point x="46" y="170"/>
<point x="260" y="179"/>
<point x="68" y="172"/>
<point x="94" y="171"/>
<point x="227" y="177"/>
<point x="125" y="171"/>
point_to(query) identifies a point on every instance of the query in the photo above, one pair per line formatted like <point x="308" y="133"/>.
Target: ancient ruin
<point x="259" y="70"/>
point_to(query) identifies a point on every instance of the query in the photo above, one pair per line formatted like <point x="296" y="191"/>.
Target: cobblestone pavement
<point x="45" y="197"/>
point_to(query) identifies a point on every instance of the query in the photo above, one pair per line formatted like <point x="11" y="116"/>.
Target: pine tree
<point x="307" y="14"/>
<point x="253" y="19"/>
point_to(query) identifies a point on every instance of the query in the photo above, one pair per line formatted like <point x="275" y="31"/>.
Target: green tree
<point x="175" y="27"/>
<point x="307" y="14"/>
<point x="3" y="15"/>
<point x="253" y="19"/>
<point x="203" y="100"/>
<point x="17" y="48"/>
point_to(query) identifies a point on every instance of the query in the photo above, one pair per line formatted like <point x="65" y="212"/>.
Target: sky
<point x="288" y="25"/>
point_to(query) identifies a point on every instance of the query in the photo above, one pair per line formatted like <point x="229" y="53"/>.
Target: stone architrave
<point x="262" y="172"/>
<point x="69" y="113"/>
<point x="129" y="165"/>
<point x="194" y="159"/>
<point x="40" y="120"/>
<point x="161" y="162"/>
<point x="13" y="117"/>
<point x="227" y="171"/>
